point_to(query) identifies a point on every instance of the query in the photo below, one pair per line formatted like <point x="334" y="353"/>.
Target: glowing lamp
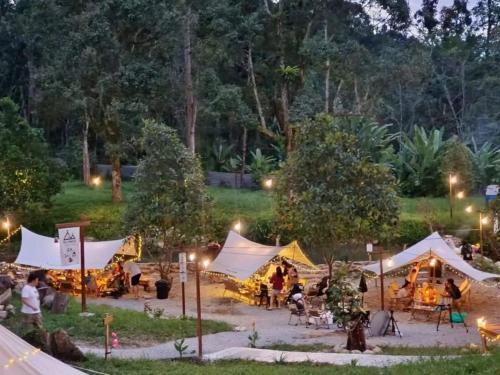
<point x="453" y="179"/>
<point x="96" y="181"/>
<point x="237" y="226"/>
<point x="206" y="262"/>
<point x="6" y="224"/>
<point x="192" y="257"/>
<point x="268" y="183"/>
<point x="484" y="220"/>
<point x="469" y="209"/>
<point x="460" y="195"/>
<point x="481" y="322"/>
<point x="390" y="262"/>
<point x="433" y="262"/>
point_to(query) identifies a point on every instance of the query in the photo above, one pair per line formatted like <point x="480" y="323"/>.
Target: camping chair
<point x="318" y="313"/>
<point x="298" y="309"/>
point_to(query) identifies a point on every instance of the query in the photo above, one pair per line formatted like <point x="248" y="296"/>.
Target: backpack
<point x="454" y="292"/>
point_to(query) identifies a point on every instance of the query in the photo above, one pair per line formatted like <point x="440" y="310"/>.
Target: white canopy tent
<point x="241" y="258"/>
<point x="43" y="252"/>
<point x="431" y="246"/>
<point x="17" y="357"/>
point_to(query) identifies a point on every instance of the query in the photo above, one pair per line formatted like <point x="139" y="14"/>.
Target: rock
<point x="355" y="351"/>
<point x="39" y="338"/>
<point x="377" y="350"/>
<point x="5" y="296"/>
<point x="63" y="348"/>
<point x="48" y="301"/>
<point x="60" y="303"/>
<point x="368" y="352"/>
<point x="3" y="314"/>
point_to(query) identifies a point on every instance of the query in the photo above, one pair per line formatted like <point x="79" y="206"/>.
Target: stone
<point x="60" y="303"/>
<point x="377" y="349"/>
<point x="355" y="351"/>
<point x="63" y="348"/>
<point x="5" y="296"/>
<point x="3" y="314"/>
<point x="368" y="352"/>
<point x="48" y="300"/>
<point x="39" y="338"/>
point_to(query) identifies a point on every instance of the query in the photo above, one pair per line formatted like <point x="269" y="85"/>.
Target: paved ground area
<point x="273" y="327"/>
<point x="264" y="355"/>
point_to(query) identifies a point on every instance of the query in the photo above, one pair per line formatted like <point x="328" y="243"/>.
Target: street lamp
<point x="483" y="220"/>
<point x="194" y="258"/>
<point x="237" y="227"/>
<point x="96" y="181"/>
<point x="6" y="225"/>
<point x="452" y="179"/>
<point x="460" y="195"/>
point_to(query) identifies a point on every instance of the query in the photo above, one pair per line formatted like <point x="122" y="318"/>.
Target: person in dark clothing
<point x="323" y="286"/>
<point x="466" y="251"/>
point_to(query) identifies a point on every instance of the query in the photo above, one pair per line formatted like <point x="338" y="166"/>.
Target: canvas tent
<point x="431" y="246"/>
<point x="43" y="252"/>
<point x="241" y="258"/>
<point x="17" y="357"/>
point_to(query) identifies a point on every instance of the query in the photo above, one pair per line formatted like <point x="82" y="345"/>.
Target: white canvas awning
<point x="43" y="252"/>
<point x="435" y="246"/>
<point x="241" y="258"/>
<point x="17" y="357"/>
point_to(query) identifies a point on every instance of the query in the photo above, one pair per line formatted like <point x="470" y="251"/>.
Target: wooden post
<point x="198" y="308"/>
<point x="80" y="224"/>
<point x="108" y="319"/>
<point x="183" y="300"/>
<point x="381" y="252"/>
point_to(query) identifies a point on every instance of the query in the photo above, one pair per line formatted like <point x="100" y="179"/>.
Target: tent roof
<point x="433" y="245"/>
<point x="43" y="252"/>
<point x="37" y="362"/>
<point x="241" y="258"/>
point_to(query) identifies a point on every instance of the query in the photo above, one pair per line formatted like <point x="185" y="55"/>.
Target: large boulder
<point x="60" y="303"/>
<point x="63" y="348"/>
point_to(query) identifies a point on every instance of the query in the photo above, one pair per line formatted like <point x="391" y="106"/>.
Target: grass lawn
<point x="132" y="327"/>
<point x="466" y="365"/>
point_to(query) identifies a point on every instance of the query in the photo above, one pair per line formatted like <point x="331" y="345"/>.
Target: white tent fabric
<point x="435" y="246"/>
<point x="17" y="357"/>
<point x="240" y="258"/>
<point x="43" y="252"/>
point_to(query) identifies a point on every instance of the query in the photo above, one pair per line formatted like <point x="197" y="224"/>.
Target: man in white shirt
<point x="133" y="273"/>
<point x="31" y="302"/>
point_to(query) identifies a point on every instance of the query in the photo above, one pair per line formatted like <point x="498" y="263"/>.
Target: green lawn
<point x="476" y="364"/>
<point x="255" y="209"/>
<point x="132" y="327"/>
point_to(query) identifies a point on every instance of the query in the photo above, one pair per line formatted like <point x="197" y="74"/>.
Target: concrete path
<point x="271" y="356"/>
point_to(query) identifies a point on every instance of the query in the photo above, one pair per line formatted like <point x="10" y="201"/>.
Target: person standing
<point x="277" y="280"/>
<point x="30" y="308"/>
<point x="133" y="273"/>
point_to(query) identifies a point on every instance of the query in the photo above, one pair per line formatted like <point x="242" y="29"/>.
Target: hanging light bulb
<point x="433" y="262"/>
<point x="390" y="262"/>
<point x="237" y="226"/>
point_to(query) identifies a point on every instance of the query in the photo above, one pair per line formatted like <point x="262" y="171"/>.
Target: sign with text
<point x="69" y="245"/>
<point x="183" y="267"/>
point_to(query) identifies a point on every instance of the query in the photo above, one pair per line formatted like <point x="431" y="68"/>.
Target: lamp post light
<point x="96" y="181"/>
<point x="193" y="257"/>
<point x="6" y="225"/>
<point x="483" y="220"/>
<point x="452" y="180"/>
<point x="237" y="227"/>
<point x="268" y="183"/>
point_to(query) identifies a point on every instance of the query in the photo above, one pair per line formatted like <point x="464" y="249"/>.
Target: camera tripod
<point x="392" y="327"/>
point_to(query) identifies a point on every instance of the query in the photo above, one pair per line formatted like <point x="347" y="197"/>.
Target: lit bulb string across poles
<point x="10" y="235"/>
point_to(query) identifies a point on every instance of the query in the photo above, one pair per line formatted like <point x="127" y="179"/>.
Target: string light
<point x="22" y="358"/>
<point x="11" y="234"/>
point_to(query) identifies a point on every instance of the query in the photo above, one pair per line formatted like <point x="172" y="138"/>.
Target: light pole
<point x="452" y="180"/>
<point x="196" y="259"/>
<point x="6" y="226"/>
<point x="483" y="220"/>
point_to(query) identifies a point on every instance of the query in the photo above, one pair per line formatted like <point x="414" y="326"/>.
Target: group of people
<point x="126" y="273"/>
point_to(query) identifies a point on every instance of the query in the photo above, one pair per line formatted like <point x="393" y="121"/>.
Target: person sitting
<point x="323" y="286"/>
<point x="293" y="277"/>
<point x="452" y="291"/>
<point x="296" y="292"/>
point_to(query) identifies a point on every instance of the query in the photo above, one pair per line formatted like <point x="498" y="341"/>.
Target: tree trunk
<point x="85" y="151"/>
<point x="356" y="336"/>
<point x="243" y="156"/>
<point x="327" y="75"/>
<point x="262" y="120"/>
<point x="188" y="81"/>
<point x="116" y="179"/>
<point x="60" y="303"/>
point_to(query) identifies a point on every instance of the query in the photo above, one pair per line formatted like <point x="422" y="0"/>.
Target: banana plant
<point x="486" y="162"/>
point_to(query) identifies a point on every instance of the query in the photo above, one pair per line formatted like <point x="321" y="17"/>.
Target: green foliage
<point x="420" y="161"/>
<point x="27" y="175"/>
<point x="180" y="346"/>
<point x="220" y="157"/>
<point x="457" y="161"/>
<point x="260" y="165"/>
<point x="329" y="192"/>
<point x="486" y="161"/>
<point x="253" y="338"/>
<point x="132" y="326"/>
<point x="170" y="203"/>
<point x="343" y="297"/>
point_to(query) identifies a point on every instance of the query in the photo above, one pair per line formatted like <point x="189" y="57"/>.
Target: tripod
<point x="392" y="327"/>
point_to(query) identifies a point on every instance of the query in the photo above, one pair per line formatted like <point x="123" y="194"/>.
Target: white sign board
<point x="369" y="248"/>
<point x="69" y="245"/>
<point x="183" y="267"/>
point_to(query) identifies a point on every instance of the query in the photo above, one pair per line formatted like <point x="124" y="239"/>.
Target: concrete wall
<point x="213" y="178"/>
